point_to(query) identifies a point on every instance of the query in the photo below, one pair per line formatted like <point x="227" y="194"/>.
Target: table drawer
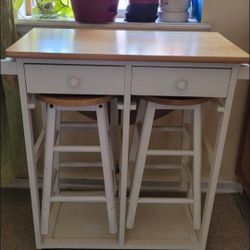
<point x="72" y="79"/>
<point x="201" y="82"/>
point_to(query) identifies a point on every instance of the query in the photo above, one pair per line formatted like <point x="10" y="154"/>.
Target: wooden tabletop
<point x="121" y="45"/>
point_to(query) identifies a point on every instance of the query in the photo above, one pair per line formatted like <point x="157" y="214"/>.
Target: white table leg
<point x="217" y="158"/>
<point x="29" y="144"/>
<point x="124" y="155"/>
<point x="197" y="167"/>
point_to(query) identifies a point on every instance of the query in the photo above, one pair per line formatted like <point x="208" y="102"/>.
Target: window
<point x="61" y="9"/>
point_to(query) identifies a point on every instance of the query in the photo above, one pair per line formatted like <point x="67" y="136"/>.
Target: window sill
<point x="25" y="25"/>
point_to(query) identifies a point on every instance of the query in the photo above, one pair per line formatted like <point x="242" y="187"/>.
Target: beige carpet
<point x="229" y="226"/>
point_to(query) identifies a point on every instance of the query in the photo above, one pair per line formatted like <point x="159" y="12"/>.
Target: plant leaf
<point x="17" y="4"/>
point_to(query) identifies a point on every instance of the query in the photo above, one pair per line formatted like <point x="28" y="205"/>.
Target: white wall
<point x="231" y="19"/>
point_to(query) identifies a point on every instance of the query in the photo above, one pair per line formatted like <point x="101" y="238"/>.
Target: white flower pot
<point x="174" y="5"/>
<point x="173" y="16"/>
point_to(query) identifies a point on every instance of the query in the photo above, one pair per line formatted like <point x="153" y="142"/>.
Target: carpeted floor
<point x="229" y="226"/>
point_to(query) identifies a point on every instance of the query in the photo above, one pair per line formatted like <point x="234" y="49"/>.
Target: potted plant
<point x="47" y="9"/>
<point x="96" y="11"/>
<point x="174" y="10"/>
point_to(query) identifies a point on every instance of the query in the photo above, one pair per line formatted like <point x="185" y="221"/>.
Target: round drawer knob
<point x="181" y="84"/>
<point x="74" y="81"/>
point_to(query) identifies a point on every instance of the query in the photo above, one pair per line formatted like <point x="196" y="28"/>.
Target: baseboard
<point x="222" y="187"/>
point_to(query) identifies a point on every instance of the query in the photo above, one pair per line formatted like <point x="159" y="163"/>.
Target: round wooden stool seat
<point x="133" y="113"/>
<point x="74" y="100"/>
<point x="174" y="101"/>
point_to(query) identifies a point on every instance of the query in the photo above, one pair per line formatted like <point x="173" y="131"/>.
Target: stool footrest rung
<point x="80" y="125"/>
<point x="163" y="166"/>
<point x="77" y="149"/>
<point x="166" y="200"/>
<point x="168" y="129"/>
<point x="76" y="198"/>
<point x="156" y="152"/>
<point x="80" y="164"/>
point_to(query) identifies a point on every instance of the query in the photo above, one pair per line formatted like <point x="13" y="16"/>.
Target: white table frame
<point x="122" y="242"/>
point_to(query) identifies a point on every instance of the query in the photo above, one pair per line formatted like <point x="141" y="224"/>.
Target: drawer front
<point x="180" y="81"/>
<point x="70" y="79"/>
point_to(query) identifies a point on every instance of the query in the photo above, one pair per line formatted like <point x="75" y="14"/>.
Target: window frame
<point x="25" y="14"/>
<point x="25" y="11"/>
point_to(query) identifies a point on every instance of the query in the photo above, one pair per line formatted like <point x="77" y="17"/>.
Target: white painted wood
<point x="78" y="62"/>
<point x="135" y="140"/>
<point x="170" y="152"/>
<point x="209" y="149"/>
<point x="167" y="129"/>
<point x="219" y="104"/>
<point x="143" y="243"/>
<point x="166" y="200"/>
<point x="31" y="102"/>
<point x="217" y="157"/>
<point x="43" y="108"/>
<point x="186" y="118"/>
<point x="137" y="130"/>
<point x="107" y="163"/>
<point x="29" y="145"/>
<point x="190" y="180"/>
<point x="200" y="82"/>
<point x="53" y="124"/>
<point x="48" y="168"/>
<point x="80" y="125"/>
<point x="197" y="146"/>
<point x="94" y="199"/>
<point x="111" y="154"/>
<point x="89" y="79"/>
<point x="24" y="25"/>
<point x="124" y="154"/>
<point x="195" y="198"/>
<point x="140" y="163"/>
<point x="79" y="164"/>
<point x="85" y="149"/>
<point x="171" y="229"/>
<point x="37" y="147"/>
<point x="244" y="72"/>
<point x="120" y="104"/>
<point x="56" y="160"/>
<point x="114" y="130"/>
<point x="163" y="166"/>
<point x="8" y="66"/>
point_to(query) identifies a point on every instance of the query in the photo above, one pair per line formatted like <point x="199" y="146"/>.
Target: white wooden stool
<point x="139" y="152"/>
<point x="56" y="104"/>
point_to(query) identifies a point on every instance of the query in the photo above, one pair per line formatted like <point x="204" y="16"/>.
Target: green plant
<point x="47" y="9"/>
<point x="17" y="4"/>
<point x="52" y="9"/>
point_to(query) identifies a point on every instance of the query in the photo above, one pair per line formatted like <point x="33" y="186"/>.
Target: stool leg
<point x="135" y="139"/>
<point x="140" y="162"/>
<point x="111" y="138"/>
<point x="197" y="167"/>
<point x="106" y="152"/>
<point x="187" y="117"/>
<point x="114" y="127"/>
<point x="48" y="168"/>
<point x="43" y="107"/>
<point x="57" y="154"/>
